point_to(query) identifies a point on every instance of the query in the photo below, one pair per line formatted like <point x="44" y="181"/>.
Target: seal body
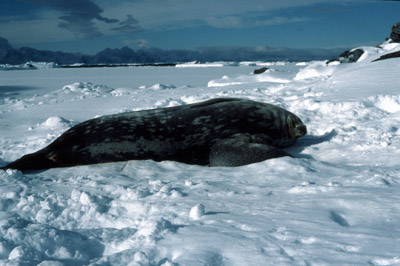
<point x="217" y="132"/>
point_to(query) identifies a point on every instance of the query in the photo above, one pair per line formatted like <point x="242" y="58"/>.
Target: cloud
<point x="89" y="18"/>
<point x="130" y="25"/>
<point x="82" y="28"/>
<point x="326" y="10"/>
<point x="156" y="15"/>
<point x="78" y="16"/>
<point x="253" y="20"/>
<point x="141" y="43"/>
<point x="42" y="27"/>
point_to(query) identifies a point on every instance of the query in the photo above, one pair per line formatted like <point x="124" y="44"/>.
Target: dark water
<point x="11" y="91"/>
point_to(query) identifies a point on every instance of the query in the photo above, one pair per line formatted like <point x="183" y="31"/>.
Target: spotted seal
<point x="218" y="132"/>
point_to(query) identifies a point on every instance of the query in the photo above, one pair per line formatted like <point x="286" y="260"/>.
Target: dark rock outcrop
<point x="350" y="56"/>
<point x="260" y="70"/>
<point x="395" y="35"/>
<point x="388" y="56"/>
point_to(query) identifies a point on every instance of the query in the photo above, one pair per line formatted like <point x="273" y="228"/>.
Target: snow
<point x="335" y="203"/>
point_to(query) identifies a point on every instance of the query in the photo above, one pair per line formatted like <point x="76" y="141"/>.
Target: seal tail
<point x="33" y="161"/>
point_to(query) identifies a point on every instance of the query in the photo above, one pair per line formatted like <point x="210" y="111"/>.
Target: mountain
<point x="25" y="54"/>
<point x="10" y="55"/>
<point x="4" y="47"/>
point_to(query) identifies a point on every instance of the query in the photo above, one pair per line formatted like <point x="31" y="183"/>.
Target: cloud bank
<point x="130" y="25"/>
<point x="85" y="18"/>
<point x="79" y="16"/>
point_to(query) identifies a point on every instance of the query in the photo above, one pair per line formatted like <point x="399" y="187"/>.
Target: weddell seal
<point x="218" y="132"/>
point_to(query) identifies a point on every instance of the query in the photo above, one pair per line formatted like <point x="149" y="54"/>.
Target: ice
<point x="335" y="203"/>
<point x="200" y="64"/>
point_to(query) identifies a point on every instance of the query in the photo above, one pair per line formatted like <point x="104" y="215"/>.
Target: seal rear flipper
<point x="33" y="161"/>
<point x="232" y="152"/>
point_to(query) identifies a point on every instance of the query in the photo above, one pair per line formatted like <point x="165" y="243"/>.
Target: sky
<point x="89" y="26"/>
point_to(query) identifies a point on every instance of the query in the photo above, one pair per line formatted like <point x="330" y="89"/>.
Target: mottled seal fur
<point x="218" y="132"/>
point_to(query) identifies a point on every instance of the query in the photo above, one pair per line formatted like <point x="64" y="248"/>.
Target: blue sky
<point x="89" y="26"/>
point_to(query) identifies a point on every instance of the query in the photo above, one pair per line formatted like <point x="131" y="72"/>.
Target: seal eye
<point x="294" y="125"/>
<point x="293" y="128"/>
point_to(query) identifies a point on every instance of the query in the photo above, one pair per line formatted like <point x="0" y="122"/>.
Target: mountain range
<point x="14" y="56"/>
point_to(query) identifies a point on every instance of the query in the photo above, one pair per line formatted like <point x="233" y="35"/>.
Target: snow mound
<point x="389" y="46"/>
<point x="159" y="86"/>
<point x="271" y="75"/>
<point x="385" y="261"/>
<point x="170" y="102"/>
<point x="388" y="103"/>
<point x="55" y="122"/>
<point x="123" y="91"/>
<point x="86" y="88"/>
<point x="316" y="70"/>
<point x="197" y="212"/>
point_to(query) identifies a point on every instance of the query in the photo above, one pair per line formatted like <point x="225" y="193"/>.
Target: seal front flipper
<point x="234" y="152"/>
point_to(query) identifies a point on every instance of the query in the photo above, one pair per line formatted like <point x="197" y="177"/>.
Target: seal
<point x="218" y="132"/>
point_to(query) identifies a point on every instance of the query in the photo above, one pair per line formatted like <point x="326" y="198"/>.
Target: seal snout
<point x="299" y="130"/>
<point x="296" y="127"/>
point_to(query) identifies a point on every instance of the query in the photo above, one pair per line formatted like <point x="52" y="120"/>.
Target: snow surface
<point x="336" y="203"/>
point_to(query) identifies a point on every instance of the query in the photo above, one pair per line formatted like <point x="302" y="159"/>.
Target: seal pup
<point x="218" y="132"/>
